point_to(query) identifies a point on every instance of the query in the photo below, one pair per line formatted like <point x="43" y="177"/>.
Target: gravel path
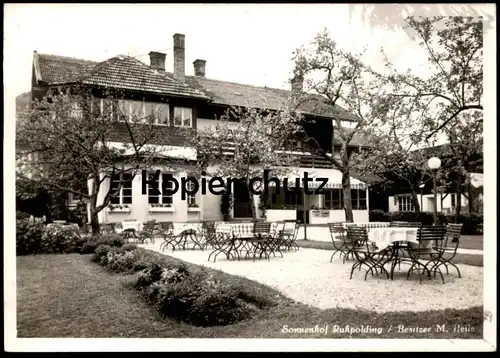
<point x="307" y="276"/>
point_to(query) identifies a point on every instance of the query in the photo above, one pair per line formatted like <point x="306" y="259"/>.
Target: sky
<point x="244" y="43"/>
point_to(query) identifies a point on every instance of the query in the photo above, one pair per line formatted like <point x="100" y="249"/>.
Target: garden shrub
<point x="471" y="222"/>
<point x="200" y="300"/>
<point x="61" y="239"/>
<point x="93" y="242"/>
<point x="28" y="237"/>
<point x="100" y="252"/>
<point x="36" y="238"/>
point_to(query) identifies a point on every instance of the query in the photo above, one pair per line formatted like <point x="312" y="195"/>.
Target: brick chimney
<point x="199" y="68"/>
<point x="179" y="57"/>
<point x="157" y="60"/>
<point x="297" y="83"/>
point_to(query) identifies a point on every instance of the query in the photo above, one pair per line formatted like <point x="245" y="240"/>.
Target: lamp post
<point x="421" y="186"/>
<point x="434" y="164"/>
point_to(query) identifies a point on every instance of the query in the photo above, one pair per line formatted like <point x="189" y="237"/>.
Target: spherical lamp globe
<point x="434" y="163"/>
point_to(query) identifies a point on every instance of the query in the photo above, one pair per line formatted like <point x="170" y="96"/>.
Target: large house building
<point x="186" y="104"/>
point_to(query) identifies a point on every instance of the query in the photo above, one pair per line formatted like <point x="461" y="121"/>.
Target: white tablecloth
<point x="180" y="227"/>
<point x="384" y="237"/>
<point x="135" y="225"/>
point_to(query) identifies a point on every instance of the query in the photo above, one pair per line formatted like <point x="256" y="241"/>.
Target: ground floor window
<point x="334" y="199"/>
<point x="124" y="191"/>
<point x="405" y="203"/>
<point x="163" y="182"/>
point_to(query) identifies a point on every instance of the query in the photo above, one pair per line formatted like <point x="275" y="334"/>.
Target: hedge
<point x="472" y="223"/>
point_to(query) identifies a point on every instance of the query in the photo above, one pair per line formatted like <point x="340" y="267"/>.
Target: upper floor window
<point x="75" y="111"/>
<point x="183" y="117"/>
<point x="158" y="112"/>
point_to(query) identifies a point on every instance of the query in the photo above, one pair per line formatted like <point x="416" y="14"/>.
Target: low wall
<point x="277" y="215"/>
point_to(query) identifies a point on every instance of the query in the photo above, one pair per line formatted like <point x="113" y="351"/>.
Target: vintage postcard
<point x="252" y="177"/>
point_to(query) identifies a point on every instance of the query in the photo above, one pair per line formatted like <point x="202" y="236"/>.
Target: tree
<point x="243" y="143"/>
<point x="454" y="46"/>
<point x="463" y="155"/>
<point x="337" y="84"/>
<point x="66" y="139"/>
<point x="393" y="16"/>
<point x="395" y="142"/>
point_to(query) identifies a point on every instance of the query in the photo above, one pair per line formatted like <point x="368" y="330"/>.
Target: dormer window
<point x="183" y="117"/>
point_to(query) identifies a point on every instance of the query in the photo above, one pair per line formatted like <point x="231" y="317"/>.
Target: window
<point x="183" y="117"/>
<point x="453" y="200"/>
<point x="75" y="111"/>
<point x="158" y="112"/>
<point x="137" y="110"/>
<point x="362" y="199"/>
<point x="334" y="199"/>
<point x="191" y="198"/>
<point x="164" y="197"/>
<point x="98" y="106"/>
<point x="293" y="198"/>
<point x="405" y="203"/>
<point x="124" y="109"/>
<point x="125" y="194"/>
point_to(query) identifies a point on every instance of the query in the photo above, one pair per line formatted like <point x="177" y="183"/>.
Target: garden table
<point x="183" y="233"/>
<point x="396" y="239"/>
<point x="129" y="226"/>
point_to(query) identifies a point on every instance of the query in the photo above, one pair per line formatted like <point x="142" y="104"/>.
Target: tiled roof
<point x="121" y="72"/>
<point x="236" y="94"/>
<point x="59" y="69"/>
<point x="128" y="73"/>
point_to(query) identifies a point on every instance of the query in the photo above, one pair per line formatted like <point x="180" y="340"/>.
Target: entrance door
<point x="242" y="201"/>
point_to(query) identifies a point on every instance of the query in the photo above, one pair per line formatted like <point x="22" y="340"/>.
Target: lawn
<point x="464" y="259"/>
<point x="70" y="296"/>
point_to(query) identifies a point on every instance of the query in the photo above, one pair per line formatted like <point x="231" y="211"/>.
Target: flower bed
<point x="194" y="297"/>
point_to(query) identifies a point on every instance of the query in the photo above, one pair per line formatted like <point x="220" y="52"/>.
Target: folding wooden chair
<point x="428" y="251"/>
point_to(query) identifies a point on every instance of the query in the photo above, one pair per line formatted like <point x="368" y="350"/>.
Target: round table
<point x="386" y="236"/>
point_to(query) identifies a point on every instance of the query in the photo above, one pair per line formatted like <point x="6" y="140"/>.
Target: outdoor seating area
<point x="234" y="240"/>
<point x="382" y="248"/>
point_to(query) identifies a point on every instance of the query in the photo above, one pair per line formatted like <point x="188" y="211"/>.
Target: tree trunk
<point x="459" y="199"/>
<point x="416" y="204"/>
<point x="346" y="188"/>
<point x="252" y="204"/>
<point x="471" y="198"/>
<point x="94" y="222"/>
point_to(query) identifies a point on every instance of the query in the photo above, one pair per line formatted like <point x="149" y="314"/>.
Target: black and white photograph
<point x="249" y="177"/>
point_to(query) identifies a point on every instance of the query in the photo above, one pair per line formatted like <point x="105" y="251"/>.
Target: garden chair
<point x="413" y="224"/>
<point x="289" y="236"/>
<point x="428" y="251"/>
<point x="222" y="242"/>
<point x="108" y="229"/>
<point x="263" y="241"/>
<point x="209" y="233"/>
<point x="450" y="246"/>
<point x="364" y="251"/>
<point x="337" y="233"/>
<point x="148" y="232"/>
